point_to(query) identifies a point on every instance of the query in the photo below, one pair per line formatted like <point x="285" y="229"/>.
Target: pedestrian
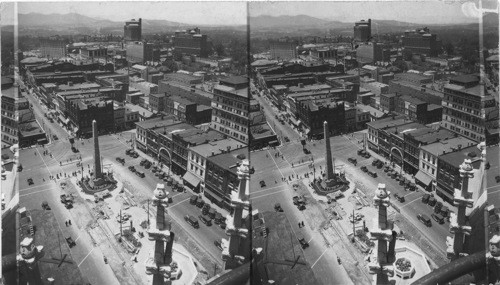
<point x="299" y="225"/>
<point x="69" y="222"/>
<point x="66" y="222"/>
<point x="303" y="224"/>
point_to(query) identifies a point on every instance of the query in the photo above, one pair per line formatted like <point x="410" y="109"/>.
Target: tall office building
<point x="53" y="47"/>
<point x="363" y="30"/>
<point x="190" y="42"/>
<point x="421" y="41"/>
<point x="470" y="110"/>
<point x="283" y="49"/>
<point x="132" y="31"/>
<point x="230" y="108"/>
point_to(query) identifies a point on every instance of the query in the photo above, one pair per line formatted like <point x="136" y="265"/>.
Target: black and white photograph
<point x="141" y="140"/>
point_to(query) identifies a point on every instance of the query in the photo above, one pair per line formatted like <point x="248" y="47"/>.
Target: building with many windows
<point x="194" y="178"/>
<point x="421" y="41"/>
<point x="190" y="42"/>
<point x="132" y="31"/>
<point x="429" y="156"/>
<point x="221" y="178"/>
<point x="230" y="108"/>
<point x="363" y="30"/>
<point x="470" y="110"/>
<point x="283" y="49"/>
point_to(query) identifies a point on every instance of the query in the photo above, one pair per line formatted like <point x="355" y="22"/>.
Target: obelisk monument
<point x="329" y="166"/>
<point x="97" y="154"/>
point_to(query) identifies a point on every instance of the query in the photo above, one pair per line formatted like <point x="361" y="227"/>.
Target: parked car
<point x="200" y="203"/>
<point x="437" y="208"/>
<point x="205" y="209"/>
<point x="425" y="198"/>
<point x="361" y="152"/>
<point x="287" y="139"/>
<point x="30" y="181"/>
<point x="140" y="174"/>
<point x="205" y="219"/>
<point x="424" y="219"/>
<point x="74" y="149"/>
<point x="372" y="174"/>
<point x="364" y="168"/>
<point x="45" y="205"/>
<point x="306" y="151"/>
<point x="131" y="168"/>
<point x="432" y="201"/>
<point x="303" y="242"/>
<point x="222" y="225"/>
<point x="71" y="242"/>
<point x="367" y="155"/>
<point x="438" y="218"/>
<point x="193" y="200"/>
<point x="143" y="162"/>
<point x="262" y="183"/>
<point x="192" y="221"/>
<point x="54" y="137"/>
<point x="375" y="162"/>
<point x="277" y="207"/>
<point x="352" y="160"/>
<point x="218" y="244"/>
<point x="19" y="168"/>
<point x="120" y="160"/>
<point x="399" y="198"/>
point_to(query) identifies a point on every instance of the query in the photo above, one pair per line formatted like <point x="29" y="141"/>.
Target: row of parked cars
<point x="208" y="214"/>
<point x="440" y="212"/>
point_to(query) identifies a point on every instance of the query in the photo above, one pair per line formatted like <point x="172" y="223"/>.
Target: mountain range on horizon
<point x="75" y="20"/>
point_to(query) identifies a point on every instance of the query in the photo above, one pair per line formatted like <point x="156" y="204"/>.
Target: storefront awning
<point x="191" y="179"/>
<point x="424" y="178"/>
<point x="213" y="195"/>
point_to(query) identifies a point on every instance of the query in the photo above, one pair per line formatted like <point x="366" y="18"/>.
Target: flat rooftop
<point x="447" y="145"/>
<point x="217" y="147"/>
<point x="228" y="160"/>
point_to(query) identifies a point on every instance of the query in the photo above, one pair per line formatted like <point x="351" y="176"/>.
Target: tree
<point x="220" y="50"/>
<point x="449" y="48"/>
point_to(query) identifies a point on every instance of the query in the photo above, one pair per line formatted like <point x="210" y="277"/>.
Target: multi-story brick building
<point x="421" y="41"/>
<point x="375" y="128"/>
<point x="414" y="140"/>
<point x="182" y="140"/>
<point x="82" y="112"/>
<point x="363" y="30"/>
<point x="230" y="109"/>
<point x="429" y="156"/>
<point x="190" y="42"/>
<point x="313" y="113"/>
<point x="53" y="47"/>
<point x="470" y="109"/>
<point x="221" y="178"/>
<point x="132" y="30"/>
<point x="197" y="157"/>
<point x="283" y="49"/>
<point x="187" y="111"/>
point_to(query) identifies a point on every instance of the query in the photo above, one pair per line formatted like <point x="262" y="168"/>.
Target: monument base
<point x="92" y="185"/>
<point x="325" y="187"/>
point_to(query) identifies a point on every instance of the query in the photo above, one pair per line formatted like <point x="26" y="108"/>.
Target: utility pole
<point x="121" y="231"/>
<point x="353" y="225"/>
<point x="148" y="212"/>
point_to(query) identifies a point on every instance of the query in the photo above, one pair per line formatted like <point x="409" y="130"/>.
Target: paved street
<point x="274" y="167"/>
<point x="60" y="160"/>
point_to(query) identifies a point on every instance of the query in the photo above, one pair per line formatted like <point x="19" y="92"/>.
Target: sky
<point x="426" y="12"/>
<point x="235" y="12"/>
<point x="203" y="13"/>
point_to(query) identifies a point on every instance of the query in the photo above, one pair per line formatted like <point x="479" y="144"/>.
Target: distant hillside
<point x="61" y="20"/>
<point x="265" y="21"/>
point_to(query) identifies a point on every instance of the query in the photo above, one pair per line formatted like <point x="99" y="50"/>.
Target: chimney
<point x="213" y="153"/>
